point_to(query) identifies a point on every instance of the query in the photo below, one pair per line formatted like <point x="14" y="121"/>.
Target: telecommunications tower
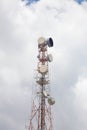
<point x="41" y="117"/>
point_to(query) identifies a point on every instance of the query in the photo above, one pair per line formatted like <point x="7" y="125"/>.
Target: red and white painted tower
<point x="41" y="117"/>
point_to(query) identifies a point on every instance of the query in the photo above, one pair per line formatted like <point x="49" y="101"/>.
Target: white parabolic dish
<point x="51" y="101"/>
<point x="43" y="69"/>
<point x="50" y="57"/>
<point x="41" y="40"/>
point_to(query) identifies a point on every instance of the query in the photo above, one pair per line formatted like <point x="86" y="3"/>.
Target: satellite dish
<point x="44" y="82"/>
<point x="45" y="94"/>
<point x="51" y="101"/>
<point x="43" y="69"/>
<point x="41" y="41"/>
<point x="50" y="57"/>
<point x="50" y="42"/>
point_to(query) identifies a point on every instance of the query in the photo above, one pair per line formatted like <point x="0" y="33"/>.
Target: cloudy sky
<point x="20" y="27"/>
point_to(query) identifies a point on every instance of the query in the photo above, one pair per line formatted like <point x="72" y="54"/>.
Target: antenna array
<point x="41" y="117"/>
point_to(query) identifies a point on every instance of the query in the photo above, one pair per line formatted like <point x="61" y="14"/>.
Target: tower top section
<point x="42" y="42"/>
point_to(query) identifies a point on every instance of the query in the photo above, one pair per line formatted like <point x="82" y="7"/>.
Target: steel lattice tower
<point x="41" y="117"/>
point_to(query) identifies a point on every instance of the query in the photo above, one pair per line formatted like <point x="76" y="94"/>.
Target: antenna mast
<point x="41" y="118"/>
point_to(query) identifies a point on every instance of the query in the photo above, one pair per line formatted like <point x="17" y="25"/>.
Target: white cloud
<point x="81" y="93"/>
<point x="20" y="28"/>
<point x="81" y="102"/>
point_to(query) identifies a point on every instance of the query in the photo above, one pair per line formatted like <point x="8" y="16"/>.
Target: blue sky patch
<point x="28" y="2"/>
<point x="80" y="1"/>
